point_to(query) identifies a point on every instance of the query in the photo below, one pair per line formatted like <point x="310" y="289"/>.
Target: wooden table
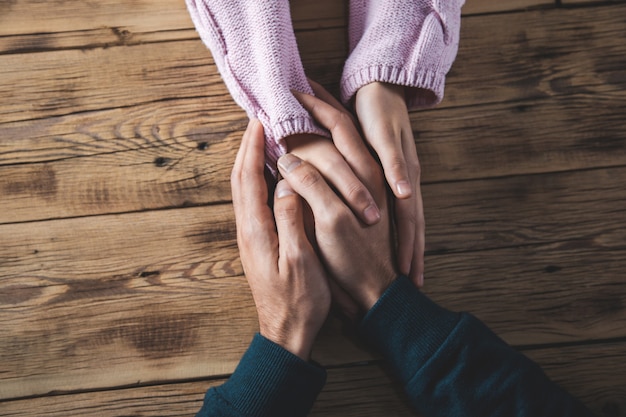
<point x="121" y="291"/>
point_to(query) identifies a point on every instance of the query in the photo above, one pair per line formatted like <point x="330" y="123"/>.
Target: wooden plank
<point x="522" y="137"/>
<point x="178" y="153"/>
<point x="117" y="23"/>
<point x="29" y="26"/>
<point x="576" y="368"/>
<point x="589" y="2"/>
<point x="141" y="169"/>
<point x="539" y="54"/>
<point x="488" y="6"/>
<point x="169" y="126"/>
<point x="593" y="373"/>
<point x="32" y="16"/>
<point x="72" y="81"/>
<point x="149" y="159"/>
<point x="147" y="293"/>
<point x="512" y="211"/>
<point x="162" y="290"/>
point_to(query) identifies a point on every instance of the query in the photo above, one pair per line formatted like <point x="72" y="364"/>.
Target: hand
<point x="322" y="153"/>
<point x="382" y="112"/>
<point x="288" y="282"/>
<point x="359" y="257"/>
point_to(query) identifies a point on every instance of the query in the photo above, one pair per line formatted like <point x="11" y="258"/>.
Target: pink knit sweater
<point x="406" y="42"/>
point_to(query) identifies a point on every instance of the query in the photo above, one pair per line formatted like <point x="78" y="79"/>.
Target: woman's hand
<point x="382" y="113"/>
<point x="288" y="282"/>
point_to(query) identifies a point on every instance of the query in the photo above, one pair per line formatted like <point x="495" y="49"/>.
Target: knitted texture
<point x="255" y="50"/>
<point x="405" y="42"/>
<point x="269" y="381"/>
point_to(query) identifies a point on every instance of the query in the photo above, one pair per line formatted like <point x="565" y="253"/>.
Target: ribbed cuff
<point x="276" y="132"/>
<point x="433" y="82"/>
<point x="270" y="381"/>
<point x="407" y="327"/>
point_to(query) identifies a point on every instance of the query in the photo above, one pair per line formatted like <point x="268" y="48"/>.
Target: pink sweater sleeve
<point x="255" y="50"/>
<point x="405" y="42"/>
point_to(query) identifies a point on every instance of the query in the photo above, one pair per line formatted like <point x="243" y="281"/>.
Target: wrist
<point x="300" y="140"/>
<point x="297" y="342"/>
<point x="372" y="293"/>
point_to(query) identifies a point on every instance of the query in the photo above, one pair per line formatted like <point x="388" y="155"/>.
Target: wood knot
<point x="161" y="161"/>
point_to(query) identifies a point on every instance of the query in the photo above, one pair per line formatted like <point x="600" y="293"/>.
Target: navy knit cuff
<point x="406" y="327"/>
<point x="271" y="381"/>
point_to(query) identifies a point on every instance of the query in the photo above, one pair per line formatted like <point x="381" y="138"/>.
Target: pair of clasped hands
<point x="298" y="257"/>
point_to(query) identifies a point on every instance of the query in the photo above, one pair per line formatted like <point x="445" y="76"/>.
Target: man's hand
<point x="359" y="257"/>
<point x="322" y="153"/>
<point x="288" y="282"/>
<point x="382" y="112"/>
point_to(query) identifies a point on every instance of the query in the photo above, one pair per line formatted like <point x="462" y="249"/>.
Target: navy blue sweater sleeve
<point x="269" y="381"/>
<point x="451" y="364"/>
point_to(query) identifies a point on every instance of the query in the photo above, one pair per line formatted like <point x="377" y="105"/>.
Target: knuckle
<point x="416" y="167"/>
<point x="285" y="212"/>
<point x="408" y="218"/>
<point x="358" y="194"/>
<point x="337" y="218"/>
<point x="310" y="177"/>
<point x="339" y="118"/>
<point x="375" y="178"/>
<point x="396" y="162"/>
<point x="242" y="175"/>
<point x="294" y="258"/>
<point x="247" y="232"/>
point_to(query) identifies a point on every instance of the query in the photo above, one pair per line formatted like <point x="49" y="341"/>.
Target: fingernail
<point x="283" y="190"/>
<point x="288" y="162"/>
<point x="420" y="280"/>
<point x="372" y="214"/>
<point x="403" y="187"/>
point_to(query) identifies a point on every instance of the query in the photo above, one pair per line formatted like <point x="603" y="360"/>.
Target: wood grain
<point x="28" y="25"/>
<point x="162" y="290"/>
<point x="589" y="2"/>
<point x="535" y="58"/>
<point x="180" y="153"/>
<point x="463" y="216"/>
<point x="487" y="6"/>
<point x="119" y="270"/>
<point x="539" y="54"/>
<point x="61" y="82"/>
<point x="592" y="373"/>
<point x="584" y="206"/>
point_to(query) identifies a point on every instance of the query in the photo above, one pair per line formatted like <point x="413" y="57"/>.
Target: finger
<point x="411" y="238"/>
<point x="324" y="95"/>
<point x="393" y="160"/>
<point x="236" y="182"/>
<point x="309" y="183"/>
<point x="343" y="130"/>
<point x="417" y="266"/>
<point x="338" y="173"/>
<point x="248" y="174"/>
<point x="235" y="175"/>
<point x="289" y="216"/>
<point x="253" y="217"/>
<point x="406" y="225"/>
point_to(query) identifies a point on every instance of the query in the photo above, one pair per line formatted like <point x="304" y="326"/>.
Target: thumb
<point x="395" y="167"/>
